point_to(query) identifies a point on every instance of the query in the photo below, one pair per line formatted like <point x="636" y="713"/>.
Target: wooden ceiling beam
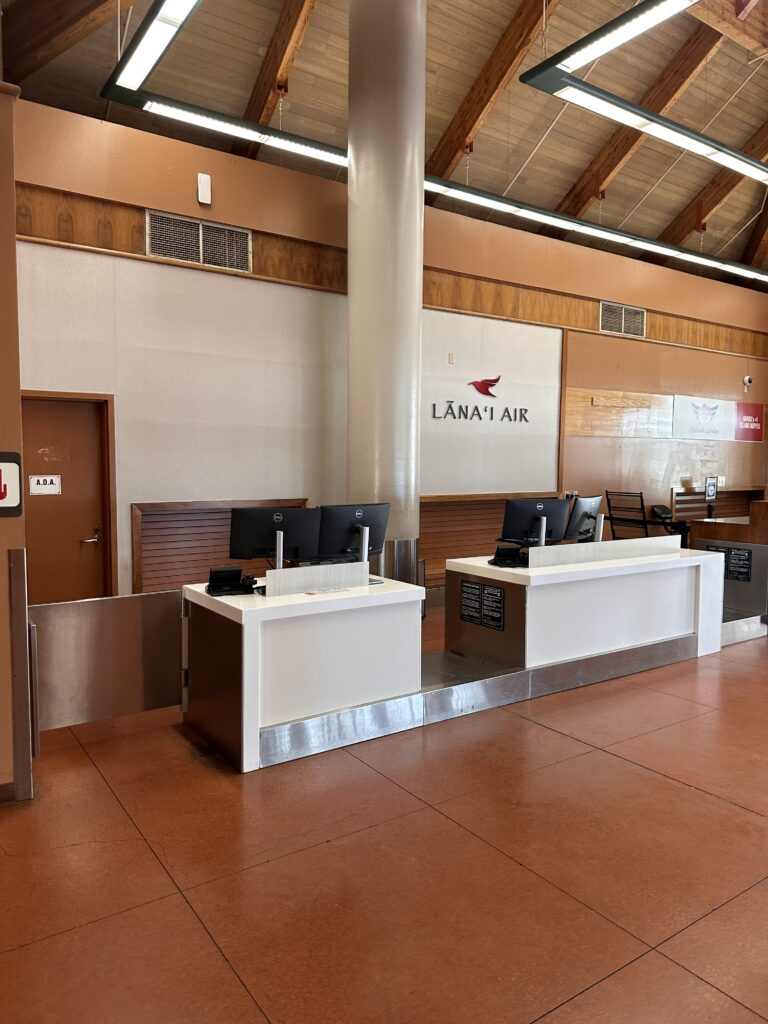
<point x="746" y="24"/>
<point x="713" y="195"/>
<point x="35" y="32"/>
<point x="689" y="60"/>
<point x="277" y="63"/>
<point x="502" y="65"/>
<point x="756" y="251"/>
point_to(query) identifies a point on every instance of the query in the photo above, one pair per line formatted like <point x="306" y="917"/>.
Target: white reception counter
<point x="580" y="601"/>
<point x="257" y="662"/>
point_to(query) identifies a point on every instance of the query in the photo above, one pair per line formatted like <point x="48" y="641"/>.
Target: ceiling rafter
<point x="504" y="62"/>
<point x="714" y="194"/>
<point x="37" y="31"/>
<point x="745" y="24"/>
<point x="689" y="60"/>
<point x="272" y="80"/>
<point x="756" y="250"/>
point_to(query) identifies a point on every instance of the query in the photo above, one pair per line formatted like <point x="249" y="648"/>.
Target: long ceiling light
<point x="151" y="42"/>
<point x="155" y="35"/>
<point x="554" y="76"/>
<point x="474" y="197"/>
<point x="619" y="31"/>
<point x="242" y="130"/>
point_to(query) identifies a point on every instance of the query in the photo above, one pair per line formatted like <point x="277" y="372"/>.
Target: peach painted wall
<point x="110" y="161"/>
<point x="11" y="528"/>
<point x="653" y="465"/>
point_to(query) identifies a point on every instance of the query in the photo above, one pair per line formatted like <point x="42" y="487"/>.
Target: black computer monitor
<point x="253" y="533"/>
<point x="522" y="520"/>
<point x="340" y="533"/>
<point x="583" y="521"/>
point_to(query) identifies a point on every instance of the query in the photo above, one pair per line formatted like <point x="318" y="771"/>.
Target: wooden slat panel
<point x="591" y="413"/>
<point x="177" y="543"/>
<point x="731" y="502"/>
<point x="457" y="529"/>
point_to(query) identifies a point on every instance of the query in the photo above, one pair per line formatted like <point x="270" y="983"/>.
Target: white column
<point x="387" y="74"/>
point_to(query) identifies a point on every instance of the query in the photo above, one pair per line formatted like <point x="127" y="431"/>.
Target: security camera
<point x="748" y="380"/>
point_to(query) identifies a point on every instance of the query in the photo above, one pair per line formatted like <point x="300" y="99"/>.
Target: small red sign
<point x="750" y="418"/>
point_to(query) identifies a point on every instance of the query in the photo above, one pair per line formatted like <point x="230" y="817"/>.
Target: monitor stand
<point x="279" y="549"/>
<point x="365" y="534"/>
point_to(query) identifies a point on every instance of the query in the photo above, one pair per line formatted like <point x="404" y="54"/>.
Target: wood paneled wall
<point x="175" y="543"/>
<point x="63" y="218"/>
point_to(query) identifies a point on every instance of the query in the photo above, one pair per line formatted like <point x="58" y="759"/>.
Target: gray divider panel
<point x="107" y="656"/>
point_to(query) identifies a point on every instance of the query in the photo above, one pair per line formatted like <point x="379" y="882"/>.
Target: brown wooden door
<point x="66" y="439"/>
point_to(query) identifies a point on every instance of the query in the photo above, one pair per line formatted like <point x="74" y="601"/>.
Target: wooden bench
<point x="177" y="542"/>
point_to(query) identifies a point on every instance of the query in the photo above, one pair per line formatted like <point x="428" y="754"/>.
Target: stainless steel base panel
<point x="287" y="742"/>
<point x="400" y="560"/>
<point x="739" y="630"/>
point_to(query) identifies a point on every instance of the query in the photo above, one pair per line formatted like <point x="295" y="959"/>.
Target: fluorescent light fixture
<point x="629" y="28"/>
<point x="531" y="213"/>
<point x="741" y="166"/>
<point x="679" y="139"/>
<point x="154" y="42"/>
<point x="603" y="107"/>
<point x="240" y="131"/>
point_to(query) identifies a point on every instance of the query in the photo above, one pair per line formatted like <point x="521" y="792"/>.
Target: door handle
<point x="95" y="539"/>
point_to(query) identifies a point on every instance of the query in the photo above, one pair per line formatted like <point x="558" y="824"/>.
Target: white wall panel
<point x="224" y="388"/>
<point x="489" y="455"/>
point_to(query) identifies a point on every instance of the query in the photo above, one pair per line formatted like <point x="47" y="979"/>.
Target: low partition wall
<point x="177" y="542"/>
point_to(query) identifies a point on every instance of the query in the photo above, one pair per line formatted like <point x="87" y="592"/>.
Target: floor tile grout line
<point x="85" y="924"/>
<point x="173" y="882"/>
<point x="709" y="913"/>
<point x="717" y="988"/>
<point x="305" y="849"/>
<point x="594" y="984"/>
<point x="686" y="785"/>
<point x="543" y="878"/>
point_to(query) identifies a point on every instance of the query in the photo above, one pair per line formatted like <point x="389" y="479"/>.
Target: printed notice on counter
<point x="493" y="607"/>
<point x="482" y="604"/>
<point x="739" y="565"/>
<point x="471" y="601"/>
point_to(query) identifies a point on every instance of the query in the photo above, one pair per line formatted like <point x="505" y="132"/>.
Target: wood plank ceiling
<point x="525" y="144"/>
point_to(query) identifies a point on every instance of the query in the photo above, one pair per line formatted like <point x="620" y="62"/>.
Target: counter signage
<point x="470" y="604"/>
<point x="739" y="565"/>
<point x="716" y="419"/>
<point x="493" y="607"/>
<point x="482" y="604"/>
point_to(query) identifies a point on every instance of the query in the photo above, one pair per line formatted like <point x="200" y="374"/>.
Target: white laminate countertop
<point x="255" y="607"/>
<point x="568" y="573"/>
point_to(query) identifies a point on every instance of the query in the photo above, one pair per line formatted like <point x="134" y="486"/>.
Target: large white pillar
<point x="387" y="75"/>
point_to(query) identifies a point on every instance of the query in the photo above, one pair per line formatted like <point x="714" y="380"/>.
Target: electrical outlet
<point x="721" y="481"/>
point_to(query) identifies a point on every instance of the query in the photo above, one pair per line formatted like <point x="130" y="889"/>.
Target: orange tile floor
<point x="594" y="856"/>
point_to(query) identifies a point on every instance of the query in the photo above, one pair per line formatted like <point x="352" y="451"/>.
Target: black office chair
<point x="626" y="512"/>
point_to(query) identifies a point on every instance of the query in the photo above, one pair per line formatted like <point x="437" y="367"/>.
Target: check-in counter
<point x="265" y="673"/>
<point x="576" y="603"/>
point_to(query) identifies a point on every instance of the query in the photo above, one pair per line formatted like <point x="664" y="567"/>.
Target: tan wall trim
<point x="59" y="218"/>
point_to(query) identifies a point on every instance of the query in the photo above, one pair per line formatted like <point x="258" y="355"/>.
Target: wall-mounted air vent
<point x="618" y="319"/>
<point x="197" y="241"/>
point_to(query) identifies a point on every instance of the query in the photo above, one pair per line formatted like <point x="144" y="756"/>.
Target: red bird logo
<point x="484" y="386"/>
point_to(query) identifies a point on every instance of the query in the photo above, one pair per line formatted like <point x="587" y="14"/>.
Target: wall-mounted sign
<point x="10" y="484"/>
<point x="46" y="483"/>
<point x="717" y="419"/>
<point x="750" y="417"/>
<point x="490" y="405"/>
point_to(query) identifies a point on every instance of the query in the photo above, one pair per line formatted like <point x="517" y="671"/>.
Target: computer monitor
<point x="522" y="520"/>
<point x="341" y="534"/>
<point x="583" y="521"/>
<point x="253" y="533"/>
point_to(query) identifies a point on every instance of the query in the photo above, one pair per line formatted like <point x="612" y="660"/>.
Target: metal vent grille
<point x="196" y="241"/>
<point x="617" y="319"/>
<point x="226" y="247"/>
